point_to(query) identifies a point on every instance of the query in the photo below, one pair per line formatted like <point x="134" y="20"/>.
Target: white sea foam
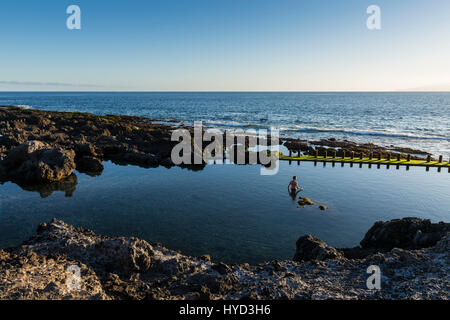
<point x="25" y="106"/>
<point x="350" y="131"/>
<point x="382" y="133"/>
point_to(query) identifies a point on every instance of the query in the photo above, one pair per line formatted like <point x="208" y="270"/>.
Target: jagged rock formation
<point x="406" y="233"/>
<point x="311" y="248"/>
<point x="129" y="268"/>
<point x="36" y="162"/>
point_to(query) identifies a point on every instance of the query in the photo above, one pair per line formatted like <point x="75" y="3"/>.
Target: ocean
<point x="415" y="120"/>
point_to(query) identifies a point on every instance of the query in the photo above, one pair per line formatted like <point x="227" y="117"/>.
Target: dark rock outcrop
<point x="406" y="233"/>
<point x="85" y="149"/>
<point x="120" y="255"/>
<point x="34" y="161"/>
<point x="89" y="165"/>
<point x="22" y="153"/>
<point x="311" y="248"/>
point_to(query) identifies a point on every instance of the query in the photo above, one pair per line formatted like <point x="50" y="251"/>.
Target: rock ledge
<point x="130" y="268"/>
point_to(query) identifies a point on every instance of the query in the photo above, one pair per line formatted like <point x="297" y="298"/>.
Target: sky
<point x="224" y="45"/>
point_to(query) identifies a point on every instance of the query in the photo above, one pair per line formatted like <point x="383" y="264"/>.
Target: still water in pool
<point x="228" y="211"/>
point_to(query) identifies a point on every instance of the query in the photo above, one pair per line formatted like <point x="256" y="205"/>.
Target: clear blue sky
<point x="184" y="45"/>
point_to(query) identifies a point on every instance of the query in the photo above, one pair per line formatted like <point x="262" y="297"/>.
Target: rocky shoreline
<point x="39" y="150"/>
<point x="412" y="254"/>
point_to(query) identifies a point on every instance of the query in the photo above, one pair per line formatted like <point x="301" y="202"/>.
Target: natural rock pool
<point x="228" y="211"/>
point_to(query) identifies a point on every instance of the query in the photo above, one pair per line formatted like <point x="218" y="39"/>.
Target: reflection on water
<point x="228" y="211"/>
<point x="67" y="185"/>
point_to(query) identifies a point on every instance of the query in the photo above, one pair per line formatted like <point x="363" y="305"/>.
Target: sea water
<point x="414" y="119"/>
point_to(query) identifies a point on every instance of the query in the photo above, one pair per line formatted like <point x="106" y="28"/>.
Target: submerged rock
<point x="322" y="207"/>
<point x="303" y="201"/>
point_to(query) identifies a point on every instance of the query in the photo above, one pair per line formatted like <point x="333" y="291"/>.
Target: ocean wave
<point x="379" y="133"/>
<point x="25" y="106"/>
<point x="235" y="124"/>
<point x="223" y="123"/>
<point x="350" y="131"/>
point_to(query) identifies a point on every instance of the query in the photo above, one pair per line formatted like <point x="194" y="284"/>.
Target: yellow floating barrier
<point x="369" y="160"/>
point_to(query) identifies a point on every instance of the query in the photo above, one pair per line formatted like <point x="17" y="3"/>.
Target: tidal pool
<point x="231" y="211"/>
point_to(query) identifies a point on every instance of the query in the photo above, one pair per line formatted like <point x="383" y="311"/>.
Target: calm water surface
<point x="230" y="211"/>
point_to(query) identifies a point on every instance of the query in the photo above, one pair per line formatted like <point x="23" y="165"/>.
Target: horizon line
<point x="229" y="91"/>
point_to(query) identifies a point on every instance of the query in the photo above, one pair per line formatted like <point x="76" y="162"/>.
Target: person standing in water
<point x="293" y="187"/>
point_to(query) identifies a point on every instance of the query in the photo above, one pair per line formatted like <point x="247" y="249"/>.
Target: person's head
<point x="294" y="178"/>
